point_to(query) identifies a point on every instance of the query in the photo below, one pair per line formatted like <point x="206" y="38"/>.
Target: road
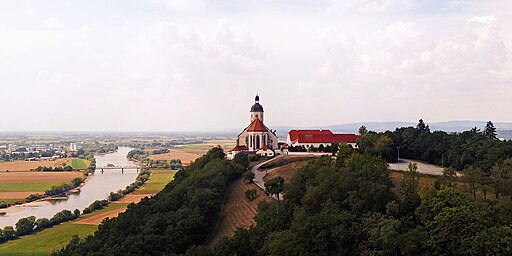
<point x="422" y="167"/>
<point x="260" y="174"/>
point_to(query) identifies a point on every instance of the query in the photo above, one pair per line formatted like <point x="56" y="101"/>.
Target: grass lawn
<point x="78" y="164"/>
<point x="49" y="240"/>
<point x="156" y="182"/>
<point x="27" y="186"/>
<point x="46" y="241"/>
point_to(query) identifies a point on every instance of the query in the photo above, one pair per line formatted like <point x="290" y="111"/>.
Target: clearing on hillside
<point x="237" y="211"/>
<point x="286" y="171"/>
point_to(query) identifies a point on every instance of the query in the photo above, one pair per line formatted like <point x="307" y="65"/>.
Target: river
<point x="98" y="186"/>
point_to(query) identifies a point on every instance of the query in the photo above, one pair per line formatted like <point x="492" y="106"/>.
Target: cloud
<point x="28" y="10"/>
<point x="180" y="5"/>
<point x="53" y="23"/>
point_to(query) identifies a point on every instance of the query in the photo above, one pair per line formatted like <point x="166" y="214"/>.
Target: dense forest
<point x="473" y="148"/>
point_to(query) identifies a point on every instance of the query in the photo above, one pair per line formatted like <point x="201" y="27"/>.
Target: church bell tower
<point x="257" y="110"/>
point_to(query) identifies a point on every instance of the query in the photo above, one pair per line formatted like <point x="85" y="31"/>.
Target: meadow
<point x="156" y="182"/>
<point x="78" y="164"/>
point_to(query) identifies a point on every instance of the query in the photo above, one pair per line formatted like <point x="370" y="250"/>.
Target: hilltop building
<point x="256" y="138"/>
<point x="315" y="138"/>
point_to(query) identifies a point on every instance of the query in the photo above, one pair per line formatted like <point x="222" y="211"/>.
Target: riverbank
<point x="48" y="240"/>
<point x="97" y="186"/>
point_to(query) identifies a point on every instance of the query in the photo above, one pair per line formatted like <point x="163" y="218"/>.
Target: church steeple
<point x="257" y="109"/>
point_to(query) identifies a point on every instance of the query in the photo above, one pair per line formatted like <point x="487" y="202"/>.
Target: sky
<point x="178" y="65"/>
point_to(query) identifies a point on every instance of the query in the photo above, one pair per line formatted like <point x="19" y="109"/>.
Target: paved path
<point x="260" y="174"/>
<point x="422" y="167"/>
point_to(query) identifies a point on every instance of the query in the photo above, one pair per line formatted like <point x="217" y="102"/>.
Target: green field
<point x="78" y="164"/>
<point x="156" y="182"/>
<point x="27" y="186"/>
<point x="48" y="240"/>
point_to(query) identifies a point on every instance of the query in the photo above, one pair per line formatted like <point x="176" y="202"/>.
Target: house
<point x="315" y="138"/>
<point x="265" y="151"/>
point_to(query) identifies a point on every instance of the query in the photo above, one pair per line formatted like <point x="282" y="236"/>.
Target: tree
<point x="25" y="226"/>
<point x="42" y="223"/>
<point x="471" y="178"/>
<point x="242" y="159"/>
<point x="409" y="187"/>
<point x="275" y="186"/>
<point x="362" y="130"/>
<point x="422" y="127"/>
<point x="251" y="194"/>
<point x="248" y="176"/>
<point x="490" y="131"/>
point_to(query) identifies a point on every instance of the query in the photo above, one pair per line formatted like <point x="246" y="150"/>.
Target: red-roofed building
<point x="315" y="138"/>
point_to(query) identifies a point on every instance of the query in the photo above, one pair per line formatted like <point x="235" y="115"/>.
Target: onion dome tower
<point x="257" y="110"/>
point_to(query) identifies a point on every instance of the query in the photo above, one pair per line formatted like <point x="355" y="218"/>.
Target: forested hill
<point x="469" y="149"/>
<point x="181" y="215"/>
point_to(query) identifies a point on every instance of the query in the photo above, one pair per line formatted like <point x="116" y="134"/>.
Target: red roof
<point x="257" y="126"/>
<point x="265" y="147"/>
<point x="240" y="148"/>
<point x="321" y="136"/>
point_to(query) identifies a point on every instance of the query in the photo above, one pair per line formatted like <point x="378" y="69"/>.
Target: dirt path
<point x="97" y="219"/>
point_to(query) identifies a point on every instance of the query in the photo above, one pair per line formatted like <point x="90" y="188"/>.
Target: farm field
<point x="188" y="153"/>
<point x="237" y="211"/>
<point x="24" y="166"/>
<point x="78" y="164"/>
<point x="18" y="185"/>
<point x="26" y="186"/>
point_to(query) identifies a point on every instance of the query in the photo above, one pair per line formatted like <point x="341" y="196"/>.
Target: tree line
<point x="473" y="148"/>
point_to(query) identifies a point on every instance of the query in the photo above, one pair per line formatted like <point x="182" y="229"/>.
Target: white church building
<point x="256" y="138"/>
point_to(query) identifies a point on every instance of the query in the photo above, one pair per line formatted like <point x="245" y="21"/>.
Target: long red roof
<point x="321" y="136"/>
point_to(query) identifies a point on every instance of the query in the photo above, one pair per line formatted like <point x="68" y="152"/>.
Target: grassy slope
<point x="48" y="240"/>
<point x="27" y="186"/>
<point x="156" y="182"/>
<point x="78" y="163"/>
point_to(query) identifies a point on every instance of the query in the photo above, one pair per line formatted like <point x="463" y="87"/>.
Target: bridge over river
<point x="122" y="168"/>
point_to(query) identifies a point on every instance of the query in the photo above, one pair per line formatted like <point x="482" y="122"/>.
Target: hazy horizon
<point x="196" y="65"/>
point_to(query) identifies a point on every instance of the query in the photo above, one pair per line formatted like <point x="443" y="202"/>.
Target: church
<point x="256" y="138"/>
